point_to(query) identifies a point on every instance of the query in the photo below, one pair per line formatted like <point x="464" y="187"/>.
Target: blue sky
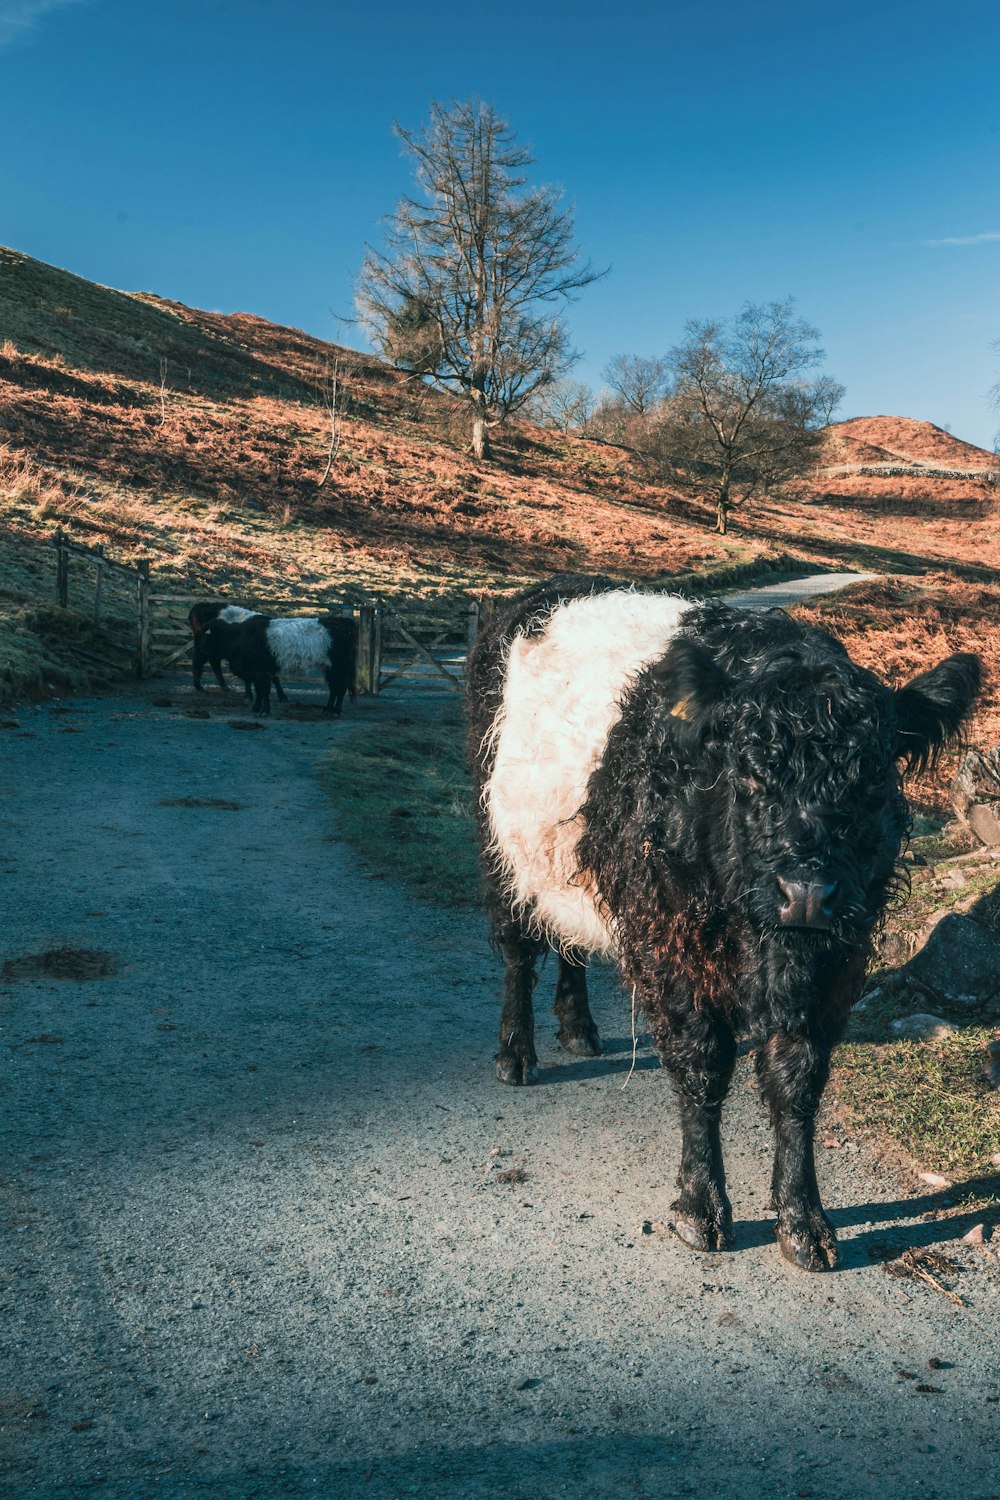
<point x="236" y="154"/>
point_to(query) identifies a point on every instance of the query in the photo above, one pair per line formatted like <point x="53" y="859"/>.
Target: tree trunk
<point x="480" y="437"/>
<point x="722" y="502"/>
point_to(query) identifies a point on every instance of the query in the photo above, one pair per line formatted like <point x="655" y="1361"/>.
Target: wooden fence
<point x="410" y="643"/>
<point x="116" y="594"/>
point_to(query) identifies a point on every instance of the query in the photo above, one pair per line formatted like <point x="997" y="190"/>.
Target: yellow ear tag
<point x="682" y="709"/>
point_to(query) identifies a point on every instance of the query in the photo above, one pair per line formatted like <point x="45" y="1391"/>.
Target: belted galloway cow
<point x="713" y="798"/>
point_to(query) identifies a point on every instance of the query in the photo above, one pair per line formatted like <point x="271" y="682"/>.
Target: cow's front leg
<point x="517" y="1061"/>
<point x="698" y="1051"/>
<point x="793" y="1071"/>
<point x="577" y="1030"/>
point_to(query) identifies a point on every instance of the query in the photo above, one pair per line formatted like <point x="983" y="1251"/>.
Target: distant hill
<point x="902" y="440"/>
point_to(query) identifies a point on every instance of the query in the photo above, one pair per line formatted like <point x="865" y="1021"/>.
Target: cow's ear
<point x="932" y="708"/>
<point x="691" y="680"/>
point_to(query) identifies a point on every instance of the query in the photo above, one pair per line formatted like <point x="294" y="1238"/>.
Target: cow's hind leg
<point x="698" y="1051"/>
<point x="517" y="1061"/>
<point x="577" y="1030"/>
<point x="792" y="1072"/>
<point x="282" y="695"/>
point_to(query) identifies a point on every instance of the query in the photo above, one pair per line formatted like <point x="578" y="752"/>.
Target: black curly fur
<point x="754" y="750"/>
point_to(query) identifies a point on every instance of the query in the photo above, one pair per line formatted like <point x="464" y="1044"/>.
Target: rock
<point x="984" y="820"/>
<point x="975" y="1236"/>
<point x="991" y="1064"/>
<point x="895" y="947"/>
<point x="975" y="793"/>
<point x="960" y="962"/>
<point x="954" y="880"/>
<point x="934" y="1179"/>
<point x="921" y="1027"/>
<point x="976" y="780"/>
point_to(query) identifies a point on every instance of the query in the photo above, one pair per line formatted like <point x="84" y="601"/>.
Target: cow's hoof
<point x="581" y="1038"/>
<point x="516" y="1069"/>
<point x="703" y="1231"/>
<point x="810" y="1246"/>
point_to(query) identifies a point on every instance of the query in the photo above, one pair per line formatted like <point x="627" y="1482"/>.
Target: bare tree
<point x="564" y="405"/>
<point x="164" y="388"/>
<point x="477" y="268"/>
<point x="743" y="415"/>
<point x="640" y="382"/>
<point x="335" y="398"/>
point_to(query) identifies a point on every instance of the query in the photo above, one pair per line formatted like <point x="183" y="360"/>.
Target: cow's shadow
<point x="616" y="1057"/>
<point x="889" y="1229"/>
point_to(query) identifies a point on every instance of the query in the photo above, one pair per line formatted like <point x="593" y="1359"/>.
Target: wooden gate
<point x="171" y="639"/>
<point x="426" y="644"/>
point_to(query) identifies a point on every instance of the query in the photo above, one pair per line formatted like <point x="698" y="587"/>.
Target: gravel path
<point x="257" y="1239"/>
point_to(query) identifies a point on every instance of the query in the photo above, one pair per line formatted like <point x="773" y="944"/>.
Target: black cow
<point x="210" y="648"/>
<point x="258" y="648"/>
<point x="712" y="797"/>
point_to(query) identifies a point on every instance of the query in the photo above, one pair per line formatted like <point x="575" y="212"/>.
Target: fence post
<point x="142" y="612"/>
<point x="377" y="650"/>
<point x="366" y="621"/>
<point x="471" y="630"/>
<point x="98" y="585"/>
<point x="62" y="569"/>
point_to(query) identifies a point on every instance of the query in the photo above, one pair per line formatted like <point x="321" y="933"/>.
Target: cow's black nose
<point x="806" y="903"/>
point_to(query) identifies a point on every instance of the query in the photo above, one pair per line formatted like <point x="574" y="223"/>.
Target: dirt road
<point x="257" y="1239"/>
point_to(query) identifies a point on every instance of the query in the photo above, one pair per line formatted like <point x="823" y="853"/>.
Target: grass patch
<point x="404" y="803"/>
<point x="930" y="1098"/>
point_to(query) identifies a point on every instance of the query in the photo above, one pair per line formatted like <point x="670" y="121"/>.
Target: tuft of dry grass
<point x="60" y="963"/>
<point x="222" y="803"/>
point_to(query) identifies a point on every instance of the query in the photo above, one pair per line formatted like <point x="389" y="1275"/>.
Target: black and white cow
<point x="210" y="649"/>
<point x="711" y="797"/>
<point x="258" y="648"/>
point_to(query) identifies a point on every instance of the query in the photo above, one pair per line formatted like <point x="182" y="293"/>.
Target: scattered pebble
<point x="976" y="1236"/>
<point x="934" y="1179"/>
<point x="528" y="1385"/>
<point x="512" y="1175"/>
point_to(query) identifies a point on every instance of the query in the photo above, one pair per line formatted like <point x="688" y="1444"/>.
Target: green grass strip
<point x="403" y="802"/>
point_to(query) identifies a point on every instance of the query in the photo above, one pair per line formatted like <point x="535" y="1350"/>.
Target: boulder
<point x="921" y="1027"/>
<point x="960" y="962"/>
<point x="975" y="793"/>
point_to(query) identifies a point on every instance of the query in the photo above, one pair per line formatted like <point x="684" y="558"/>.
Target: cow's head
<point x="804" y="755"/>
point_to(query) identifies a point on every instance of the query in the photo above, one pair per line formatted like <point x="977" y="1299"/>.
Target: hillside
<point x="198" y="440"/>
<point x="219" y="481"/>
